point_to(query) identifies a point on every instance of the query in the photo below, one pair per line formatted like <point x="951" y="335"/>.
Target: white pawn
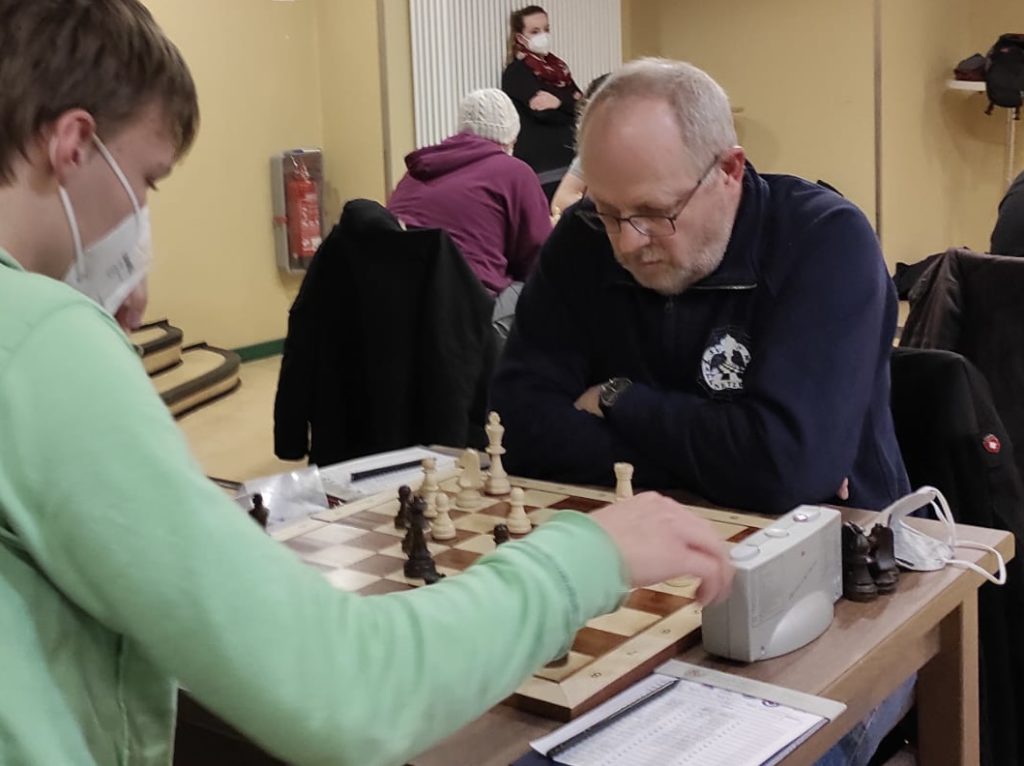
<point x="518" y="522"/>
<point x="442" y="528"/>
<point x="429" y="487"/>
<point x="470" y="482"/>
<point x="497" y="480"/>
<point x="623" y="481"/>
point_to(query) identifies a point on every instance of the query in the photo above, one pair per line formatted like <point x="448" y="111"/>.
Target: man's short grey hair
<point x="700" y="105"/>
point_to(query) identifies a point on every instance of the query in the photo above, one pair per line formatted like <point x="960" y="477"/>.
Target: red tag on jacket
<point x="992" y="444"/>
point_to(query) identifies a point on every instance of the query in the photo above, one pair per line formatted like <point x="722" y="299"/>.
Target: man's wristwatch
<point x="610" y="391"/>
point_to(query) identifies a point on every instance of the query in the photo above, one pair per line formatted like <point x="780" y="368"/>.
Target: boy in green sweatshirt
<point x="123" y="571"/>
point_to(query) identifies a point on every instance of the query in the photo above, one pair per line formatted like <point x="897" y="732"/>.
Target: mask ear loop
<point x="102" y="148"/>
<point x="76" y="235"/>
<point x="946" y="516"/>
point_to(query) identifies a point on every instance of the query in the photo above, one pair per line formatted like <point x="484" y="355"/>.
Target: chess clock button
<point x="743" y="552"/>
<point x="804" y="516"/>
<point x="776" y="532"/>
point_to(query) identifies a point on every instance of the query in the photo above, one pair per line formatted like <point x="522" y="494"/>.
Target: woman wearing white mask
<point x="541" y="86"/>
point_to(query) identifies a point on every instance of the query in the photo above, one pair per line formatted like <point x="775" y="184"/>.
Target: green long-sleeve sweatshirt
<point x="123" y="572"/>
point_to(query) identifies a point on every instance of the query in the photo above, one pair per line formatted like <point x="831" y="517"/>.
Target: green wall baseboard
<point x="261" y="350"/>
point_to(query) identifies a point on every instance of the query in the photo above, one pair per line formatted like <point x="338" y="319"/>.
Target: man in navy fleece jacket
<point x="726" y="332"/>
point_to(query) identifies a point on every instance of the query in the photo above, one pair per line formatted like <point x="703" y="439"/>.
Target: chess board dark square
<point x="302" y="546"/>
<point x="500" y="508"/>
<point x="373" y="541"/>
<point x="456" y="558"/>
<point x="383" y="586"/>
<point x="656" y="602"/>
<point x="584" y="504"/>
<point x="594" y="642"/>
<point x="378" y="564"/>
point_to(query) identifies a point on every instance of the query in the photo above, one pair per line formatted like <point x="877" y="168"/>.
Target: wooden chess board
<point x="359" y="550"/>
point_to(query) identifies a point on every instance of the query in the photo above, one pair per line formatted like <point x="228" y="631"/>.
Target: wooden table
<point x="930" y="625"/>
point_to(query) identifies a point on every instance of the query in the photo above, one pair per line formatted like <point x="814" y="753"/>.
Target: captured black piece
<point x="884" y="569"/>
<point x="858" y="584"/>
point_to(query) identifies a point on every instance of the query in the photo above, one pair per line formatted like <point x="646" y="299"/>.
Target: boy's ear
<point x="70" y="142"/>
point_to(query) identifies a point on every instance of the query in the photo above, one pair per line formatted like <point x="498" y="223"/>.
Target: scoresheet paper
<point x="707" y="719"/>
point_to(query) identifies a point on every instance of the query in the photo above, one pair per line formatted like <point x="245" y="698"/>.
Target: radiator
<point x="460" y="45"/>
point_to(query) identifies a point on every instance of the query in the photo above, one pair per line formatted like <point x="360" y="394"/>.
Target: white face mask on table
<point x="924" y="553"/>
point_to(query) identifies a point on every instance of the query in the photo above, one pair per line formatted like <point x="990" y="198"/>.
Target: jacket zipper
<point x="670" y="325"/>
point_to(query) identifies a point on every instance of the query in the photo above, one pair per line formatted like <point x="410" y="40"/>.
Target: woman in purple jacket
<point x="489" y="202"/>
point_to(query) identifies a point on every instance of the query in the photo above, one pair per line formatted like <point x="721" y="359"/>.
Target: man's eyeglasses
<point x="652" y="226"/>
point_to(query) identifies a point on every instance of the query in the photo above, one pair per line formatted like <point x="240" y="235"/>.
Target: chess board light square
<point x="685" y="587"/>
<point x="297" y="528"/>
<point x="541" y="515"/>
<point x="481" y="524"/>
<point x="333" y="533"/>
<point x="625" y="622"/>
<point x="557" y="673"/>
<point x="339" y="555"/>
<point x="479" y="544"/>
<point x="538" y="498"/>
<point x="349" y="580"/>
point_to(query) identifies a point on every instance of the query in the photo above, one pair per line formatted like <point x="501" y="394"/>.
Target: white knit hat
<point x="489" y="113"/>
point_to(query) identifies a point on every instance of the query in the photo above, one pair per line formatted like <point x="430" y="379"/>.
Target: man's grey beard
<point x="705" y="260"/>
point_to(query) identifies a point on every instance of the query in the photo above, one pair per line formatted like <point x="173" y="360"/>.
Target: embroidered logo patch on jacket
<point x="725" y="360"/>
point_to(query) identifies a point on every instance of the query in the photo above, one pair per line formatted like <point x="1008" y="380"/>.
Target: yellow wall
<point x="350" y="89"/>
<point x="801" y="71"/>
<point x="924" y="151"/>
<point x="640" y="28"/>
<point x="270" y="76"/>
<point x="401" y="125"/>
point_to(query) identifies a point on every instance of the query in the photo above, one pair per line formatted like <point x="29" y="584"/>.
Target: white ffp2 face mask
<point x="924" y="553"/>
<point x="540" y="43"/>
<point x="110" y="268"/>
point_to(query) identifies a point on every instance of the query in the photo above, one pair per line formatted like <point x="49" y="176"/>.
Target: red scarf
<point x="550" y="68"/>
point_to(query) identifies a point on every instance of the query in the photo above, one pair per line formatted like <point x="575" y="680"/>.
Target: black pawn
<point x="420" y="563"/>
<point x="259" y="512"/>
<point x="402" y="517"/>
<point x="501" y="534"/>
<point x="416" y="508"/>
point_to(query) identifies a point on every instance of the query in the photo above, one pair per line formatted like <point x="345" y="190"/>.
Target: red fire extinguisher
<point x="304" y="232"/>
